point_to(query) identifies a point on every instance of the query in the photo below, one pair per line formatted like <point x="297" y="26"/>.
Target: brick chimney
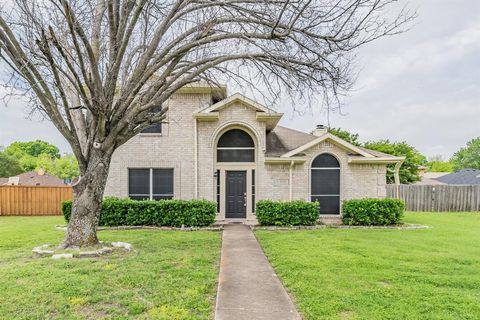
<point x="320" y="130"/>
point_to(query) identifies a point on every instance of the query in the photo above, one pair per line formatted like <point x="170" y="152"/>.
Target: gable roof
<point x="281" y="140"/>
<point x="288" y="143"/>
<point x="465" y="176"/>
<point x="32" y="178"/>
<point x="237" y="97"/>
<point x="332" y="138"/>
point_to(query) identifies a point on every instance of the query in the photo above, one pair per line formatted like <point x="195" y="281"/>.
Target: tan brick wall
<point x="175" y="149"/>
<point x="356" y="180"/>
<point x="172" y="149"/>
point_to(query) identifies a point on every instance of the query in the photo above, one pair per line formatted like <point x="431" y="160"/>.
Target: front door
<point x="236" y="194"/>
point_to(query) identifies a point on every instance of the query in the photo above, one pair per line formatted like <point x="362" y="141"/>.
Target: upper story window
<point x="235" y="146"/>
<point x="156" y="127"/>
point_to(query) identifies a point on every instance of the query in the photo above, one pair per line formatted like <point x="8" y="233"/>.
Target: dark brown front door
<point x="236" y="194"/>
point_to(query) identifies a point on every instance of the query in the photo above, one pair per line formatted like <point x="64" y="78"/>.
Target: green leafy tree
<point x="467" y="157"/>
<point x="413" y="159"/>
<point x="33" y="148"/>
<point x="345" y="135"/>
<point x="9" y="166"/>
<point x="440" y="166"/>
<point x="66" y="167"/>
<point x="28" y="153"/>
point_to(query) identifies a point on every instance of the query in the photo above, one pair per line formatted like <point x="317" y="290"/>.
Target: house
<point x="461" y="177"/>
<point x="33" y="178"/>
<point x="231" y="150"/>
<point x="430" y="178"/>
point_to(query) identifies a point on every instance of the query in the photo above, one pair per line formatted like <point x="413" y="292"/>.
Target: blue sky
<point x="422" y="86"/>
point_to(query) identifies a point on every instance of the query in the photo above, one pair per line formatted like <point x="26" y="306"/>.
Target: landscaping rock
<point x="86" y="254"/>
<point x="59" y="256"/>
<point x="42" y="252"/>
<point x="104" y="250"/>
<point x="126" y="246"/>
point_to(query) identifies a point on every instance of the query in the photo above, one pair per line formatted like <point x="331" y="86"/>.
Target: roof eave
<point x="333" y="138"/>
<point x="212" y="116"/>
<point x="384" y="160"/>
<point x="271" y="119"/>
<point x="280" y="160"/>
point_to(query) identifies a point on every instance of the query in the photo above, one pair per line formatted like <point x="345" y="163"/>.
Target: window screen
<point x="154" y="184"/>
<point x="162" y="184"/>
<point x="218" y="190"/>
<point x="325" y="161"/>
<point x="139" y="184"/>
<point x="325" y="183"/>
<point x="157" y="127"/>
<point x="235" y="146"/>
<point x="253" y="190"/>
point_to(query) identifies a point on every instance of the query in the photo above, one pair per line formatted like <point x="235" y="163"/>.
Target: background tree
<point x="467" y="157"/>
<point x="98" y="69"/>
<point x="65" y="167"/>
<point x="436" y="164"/>
<point x="9" y="166"/>
<point x="413" y="159"/>
<point x="28" y="153"/>
<point x="345" y="135"/>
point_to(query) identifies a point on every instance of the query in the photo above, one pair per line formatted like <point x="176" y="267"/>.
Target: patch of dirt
<point x="101" y="310"/>
<point x="346" y="314"/>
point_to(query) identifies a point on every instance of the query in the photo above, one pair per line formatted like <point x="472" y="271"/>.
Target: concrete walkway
<point x="248" y="287"/>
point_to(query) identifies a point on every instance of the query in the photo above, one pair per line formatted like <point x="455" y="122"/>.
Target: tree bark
<point x="87" y="201"/>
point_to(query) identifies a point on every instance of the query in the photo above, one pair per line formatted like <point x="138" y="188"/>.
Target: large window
<point x="156" y="127"/>
<point x="325" y="183"/>
<point x="153" y="184"/>
<point x="235" y="146"/>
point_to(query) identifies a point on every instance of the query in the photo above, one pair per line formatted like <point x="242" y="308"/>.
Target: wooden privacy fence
<point x="437" y="197"/>
<point x="32" y="200"/>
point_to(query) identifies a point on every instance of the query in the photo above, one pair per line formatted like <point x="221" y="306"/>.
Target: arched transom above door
<point x="235" y="145"/>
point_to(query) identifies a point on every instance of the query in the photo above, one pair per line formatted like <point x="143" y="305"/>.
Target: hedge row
<point x="171" y="213"/>
<point x="201" y="213"/>
<point x="367" y="212"/>
<point x="292" y="213"/>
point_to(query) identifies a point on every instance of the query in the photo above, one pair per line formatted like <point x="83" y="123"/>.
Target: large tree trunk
<point x="87" y="201"/>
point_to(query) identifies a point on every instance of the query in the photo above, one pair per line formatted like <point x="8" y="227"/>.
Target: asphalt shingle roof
<point x="281" y="140"/>
<point x="465" y="176"/>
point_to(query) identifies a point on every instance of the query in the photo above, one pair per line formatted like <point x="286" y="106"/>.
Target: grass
<point x="382" y="274"/>
<point x="171" y="275"/>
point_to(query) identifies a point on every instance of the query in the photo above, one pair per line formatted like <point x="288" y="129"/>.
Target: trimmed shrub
<point x="292" y="213"/>
<point x="370" y="212"/>
<point x="171" y="213"/>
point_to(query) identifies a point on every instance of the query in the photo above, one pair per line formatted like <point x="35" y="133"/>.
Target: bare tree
<point x="98" y="68"/>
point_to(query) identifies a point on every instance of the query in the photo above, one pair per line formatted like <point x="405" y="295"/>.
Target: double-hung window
<point x="150" y="183"/>
<point x="156" y="127"/>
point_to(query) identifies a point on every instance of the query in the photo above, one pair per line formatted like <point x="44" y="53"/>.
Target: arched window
<point x="235" y="146"/>
<point x="325" y="183"/>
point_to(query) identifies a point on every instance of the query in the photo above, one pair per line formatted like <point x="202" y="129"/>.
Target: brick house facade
<point x="230" y="150"/>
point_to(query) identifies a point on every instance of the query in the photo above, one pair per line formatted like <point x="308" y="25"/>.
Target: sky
<point x="422" y="87"/>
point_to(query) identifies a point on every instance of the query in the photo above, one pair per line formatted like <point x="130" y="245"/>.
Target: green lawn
<point x="172" y="275"/>
<point x="383" y="274"/>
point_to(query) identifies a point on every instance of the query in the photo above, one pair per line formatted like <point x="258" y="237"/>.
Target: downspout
<point x="397" y="178"/>
<point x="290" y="185"/>
<point x="195" y="159"/>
